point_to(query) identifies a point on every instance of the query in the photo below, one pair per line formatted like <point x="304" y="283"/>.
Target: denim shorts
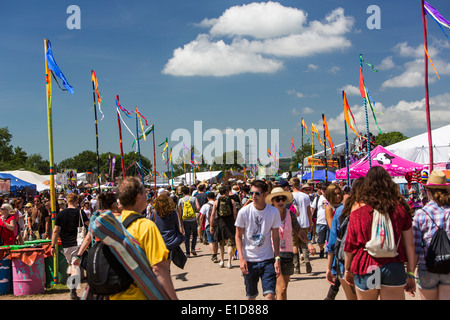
<point x="389" y="275"/>
<point x="321" y="232"/>
<point x="430" y="280"/>
<point x="264" y="270"/>
<point x="209" y="236"/>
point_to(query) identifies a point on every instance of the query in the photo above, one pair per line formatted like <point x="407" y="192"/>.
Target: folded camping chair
<point x="125" y="247"/>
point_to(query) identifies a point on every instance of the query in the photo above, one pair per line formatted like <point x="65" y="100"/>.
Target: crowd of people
<point x="375" y="243"/>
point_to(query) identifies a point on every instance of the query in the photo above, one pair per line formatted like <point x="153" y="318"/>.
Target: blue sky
<point x="230" y="64"/>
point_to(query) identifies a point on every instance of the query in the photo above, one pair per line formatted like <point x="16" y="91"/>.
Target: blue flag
<point x="56" y="71"/>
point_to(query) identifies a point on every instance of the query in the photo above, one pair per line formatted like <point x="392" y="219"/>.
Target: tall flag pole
<point x="325" y="149"/>
<point x="363" y="95"/>
<point x="51" y="68"/>
<point x="94" y="90"/>
<point x="312" y="152"/>
<point x="120" y="138"/>
<point x="304" y="129"/>
<point x="139" y="146"/>
<point x="427" y="98"/>
<point x="346" y="136"/>
<point x="154" y="161"/>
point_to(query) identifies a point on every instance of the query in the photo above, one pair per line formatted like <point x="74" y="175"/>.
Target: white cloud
<point x="350" y="90"/>
<point x="258" y="20"/>
<point x="312" y="67"/>
<point x="386" y="64"/>
<point x="413" y="71"/>
<point x="275" y="32"/>
<point x="308" y="110"/>
<point x="202" y="57"/>
<point x="403" y="116"/>
<point x="296" y="93"/>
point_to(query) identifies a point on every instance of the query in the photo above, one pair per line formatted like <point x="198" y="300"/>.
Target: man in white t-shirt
<point x="321" y="222"/>
<point x="304" y="218"/>
<point x="257" y="225"/>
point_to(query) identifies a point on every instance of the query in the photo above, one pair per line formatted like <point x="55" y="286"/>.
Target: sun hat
<point x="305" y="186"/>
<point x="29" y="205"/>
<point x="279" y="192"/>
<point x="437" y="180"/>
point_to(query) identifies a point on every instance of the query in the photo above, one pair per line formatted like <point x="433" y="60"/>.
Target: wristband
<point x="410" y="275"/>
<point x="277" y="258"/>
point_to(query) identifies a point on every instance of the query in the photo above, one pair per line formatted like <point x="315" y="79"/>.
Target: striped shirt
<point x="424" y="228"/>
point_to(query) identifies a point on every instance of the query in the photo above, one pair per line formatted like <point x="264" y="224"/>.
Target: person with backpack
<point x="205" y="212"/>
<point x="431" y="228"/>
<point x="222" y="220"/>
<point x="133" y="198"/>
<point x="166" y="219"/>
<point x="379" y="240"/>
<point x="333" y="194"/>
<point x="187" y="211"/>
<point x="335" y="245"/>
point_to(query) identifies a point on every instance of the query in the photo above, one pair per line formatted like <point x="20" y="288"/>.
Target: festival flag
<point x="127" y="113"/>
<point x="51" y="64"/>
<point x="292" y="145"/>
<point x="94" y="79"/>
<point x="165" y="147"/>
<point x="314" y="130"/>
<point x="138" y="114"/>
<point x="440" y="20"/>
<point x="365" y="93"/>
<point x="147" y="132"/>
<point x="327" y="134"/>
<point x="99" y="96"/>
<point x="348" y="116"/>
<point x="305" y="128"/>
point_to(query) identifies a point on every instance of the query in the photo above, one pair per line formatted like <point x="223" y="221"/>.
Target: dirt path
<point x="201" y="279"/>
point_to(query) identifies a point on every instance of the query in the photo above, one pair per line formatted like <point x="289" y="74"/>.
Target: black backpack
<point x="105" y="274"/>
<point x="438" y="256"/>
<point x="340" y="240"/>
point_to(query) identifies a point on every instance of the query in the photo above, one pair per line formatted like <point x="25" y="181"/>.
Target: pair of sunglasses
<point x="280" y="198"/>
<point x="256" y="193"/>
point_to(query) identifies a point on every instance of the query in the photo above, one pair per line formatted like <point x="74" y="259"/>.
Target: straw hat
<point x="437" y="180"/>
<point x="279" y="192"/>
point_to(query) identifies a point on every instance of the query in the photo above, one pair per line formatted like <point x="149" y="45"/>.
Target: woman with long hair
<point x="435" y="214"/>
<point x="166" y="219"/>
<point x="335" y="269"/>
<point x="382" y="276"/>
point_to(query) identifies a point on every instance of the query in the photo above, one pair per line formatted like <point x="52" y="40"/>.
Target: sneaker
<point x="229" y="266"/>
<point x="221" y="264"/>
<point x="214" y="258"/>
<point x="297" y="270"/>
<point x="194" y="253"/>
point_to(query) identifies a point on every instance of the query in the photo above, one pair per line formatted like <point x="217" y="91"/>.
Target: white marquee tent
<point x="415" y="149"/>
<point x="30" y="177"/>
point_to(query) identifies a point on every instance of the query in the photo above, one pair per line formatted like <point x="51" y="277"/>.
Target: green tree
<point x="300" y="154"/>
<point x="388" y="138"/>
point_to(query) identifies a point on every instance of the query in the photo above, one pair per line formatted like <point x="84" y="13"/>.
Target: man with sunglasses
<point x="257" y="226"/>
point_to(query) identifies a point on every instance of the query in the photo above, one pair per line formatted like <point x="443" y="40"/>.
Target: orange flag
<point x="347" y="113"/>
<point x="327" y="134"/>
<point x="314" y="130"/>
